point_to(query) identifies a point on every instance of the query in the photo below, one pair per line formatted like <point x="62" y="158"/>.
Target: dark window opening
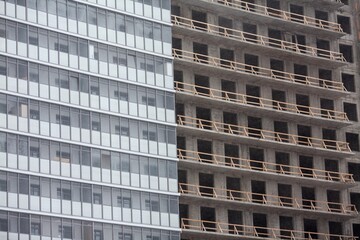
<point x="254" y="92"/>
<point x="327" y="108"/>
<point x="258" y="189"/>
<point x="181" y="144"/>
<point x="248" y="5"/>
<point x="226" y="56"/>
<point x="335" y="228"/>
<point x="276" y="37"/>
<point x="353" y="140"/>
<point x="205" y="150"/>
<point x="202" y="85"/>
<point x="354" y="168"/>
<point x="303" y="102"/>
<point x="175" y="10"/>
<point x="322" y="18"/>
<point x="260" y="224"/>
<point x="325" y="76"/>
<point x="251" y="61"/>
<point x="200" y="52"/>
<point x="308" y="196"/>
<point x="273" y="7"/>
<point x="329" y="136"/>
<point x="178" y="79"/>
<point x="333" y="198"/>
<point x="250" y="32"/>
<point x="233" y="186"/>
<point x="177" y="45"/>
<point x="203" y="116"/>
<point x="297" y="13"/>
<point x="279" y="98"/>
<point x="277" y="67"/>
<point x="255" y="126"/>
<point x="232" y="154"/>
<point x="285" y="194"/>
<point x="182" y="178"/>
<point x="235" y="222"/>
<point x="286" y="225"/>
<point x="300" y="71"/>
<point x="208" y="216"/>
<point x="306" y="165"/>
<point x="356" y="227"/>
<point x="200" y="20"/>
<point x="180" y="109"/>
<point x="332" y="166"/>
<point x="351" y="111"/>
<point x="300" y="40"/>
<point x="347" y="51"/>
<point x="323" y="45"/>
<point x="355" y="200"/>
<point x="184" y="214"/>
<point x="281" y="131"/>
<point x="257" y="157"/>
<point x="225" y="23"/>
<point x="206" y="182"/>
<point x="349" y="82"/>
<point x="304" y="133"/>
<point x="345" y="23"/>
<point x="310" y="229"/>
<point x="283" y="161"/>
<point x="228" y="88"/>
<point x="230" y="122"/>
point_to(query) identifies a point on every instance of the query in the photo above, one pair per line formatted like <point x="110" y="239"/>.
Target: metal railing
<point x="277" y="13"/>
<point x="263" y="166"/>
<point x="266" y="199"/>
<point x="257" y="39"/>
<point x="256" y="70"/>
<point x="281" y="137"/>
<point x="254" y="231"/>
<point x="233" y="97"/>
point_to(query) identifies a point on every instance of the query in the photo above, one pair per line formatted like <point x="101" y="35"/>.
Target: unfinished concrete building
<point x="266" y="104"/>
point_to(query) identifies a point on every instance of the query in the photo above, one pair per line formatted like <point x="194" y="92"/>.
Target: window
<point x="351" y="110"/>
<point x="345" y="23"/>
<point x="65" y="232"/>
<point x="353" y="140"/>
<point x="347" y="51"/>
<point x="348" y="81"/>
<point x="354" y="168"/>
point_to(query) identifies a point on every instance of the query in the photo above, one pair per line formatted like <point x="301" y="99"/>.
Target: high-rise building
<point x="267" y="102"/>
<point x="87" y="121"/>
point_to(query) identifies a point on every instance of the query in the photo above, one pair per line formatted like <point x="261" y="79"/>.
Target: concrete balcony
<point x="272" y="203"/>
<point x="233" y="70"/>
<point x="191" y="126"/>
<point x="200" y="229"/>
<point x="260" y="106"/>
<point x="271" y="16"/>
<point x="264" y="170"/>
<point x="257" y="43"/>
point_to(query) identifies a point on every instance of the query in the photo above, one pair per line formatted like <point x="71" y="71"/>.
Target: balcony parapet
<point x="260" y="134"/>
<point x="266" y="199"/>
<point x="222" y="229"/>
<point x="256" y="39"/>
<point x="274" y="76"/>
<point x="263" y="103"/>
<point x="265" y="167"/>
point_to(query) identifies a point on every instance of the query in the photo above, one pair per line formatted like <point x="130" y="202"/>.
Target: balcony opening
<point x="327" y="104"/>
<point x="303" y="102"/>
<point x="285" y="194"/>
<point x="351" y="111"/>
<point x="202" y="85"/>
<point x="184" y="214"/>
<point x="325" y="74"/>
<point x="335" y="228"/>
<point x="345" y="23"/>
<point x="258" y="189"/>
<point x="177" y="44"/>
<point x="356" y="227"/>
<point x="349" y="82"/>
<point x="276" y="37"/>
<point x="286" y="226"/>
<point x="205" y="150"/>
<point x="248" y="5"/>
<point x="255" y="126"/>
<point x="281" y="129"/>
<point x="200" y="52"/>
<point x="200" y="20"/>
<point x="306" y="164"/>
<point x="353" y="140"/>
<point x="175" y="10"/>
<point x="333" y="167"/>
<point x="180" y="109"/>
<point x="182" y="178"/>
<point x="206" y="182"/>
<point x="322" y="18"/>
<point x="308" y="196"/>
<point x="232" y="154"/>
<point x="178" y="79"/>
<point x="254" y="92"/>
<point x="355" y="200"/>
<point x="250" y="32"/>
<point x="354" y="168"/>
<point x="181" y="144"/>
<point x="257" y="155"/>
<point x="252" y="62"/>
<point x="347" y="51"/>
<point x="333" y="198"/>
<point x="273" y="7"/>
<point x="300" y="40"/>
<point x="310" y="229"/>
<point x="329" y="136"/>
<point x="233" y="186"/>
<point x="225" y="23"/>
<point x="260" y="224"/>
<point x="297" y="13"/>
<point x="304" y="133"/>
<point x="229" y="87"/>
<point x="279" y="98"/>
<point x="230" y="122"/>
<point x="235" y="220"/>
<point x="208" y="216"/>
<point x="323" y="48"/>
<point x="277" y="67"/>
<point x="226" y="56"/>
<point x="204" y="118"/>
<point x="300" y="71"/>
<point x="283" y="159"/>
